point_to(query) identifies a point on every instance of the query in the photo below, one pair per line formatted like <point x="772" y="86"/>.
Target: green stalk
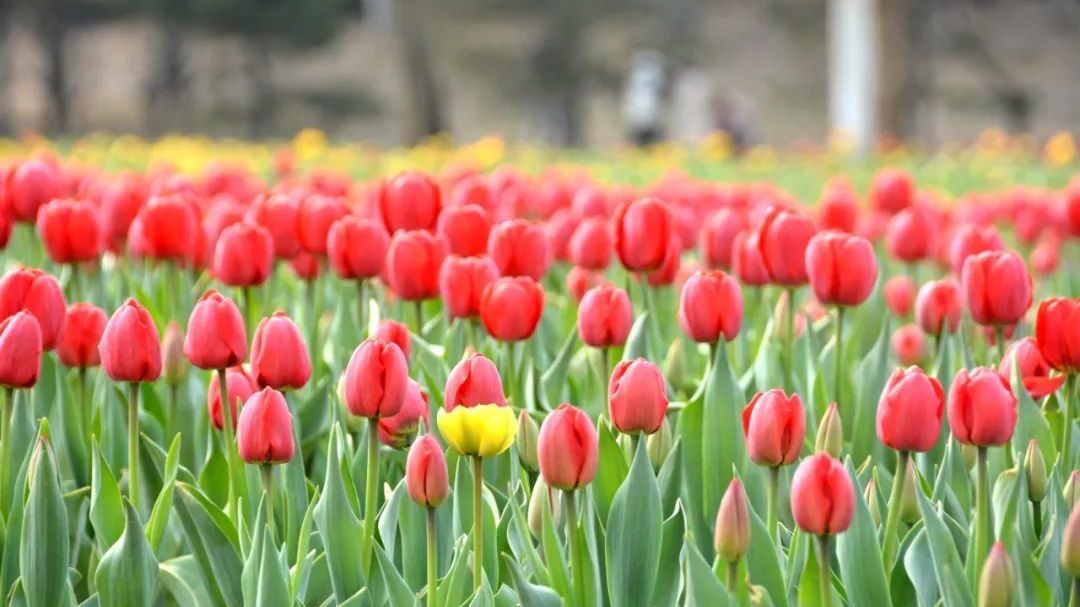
<point x="1036" y="516"/>
<point x="511" y="374"/>
<point x="370" y="488"/>
<point x="999" y="335"/>
<point x="1066" y="417"/>
<point x="892" y="520"/>
<point x="650" y="307"/>
<point x="133" y="445"/>
<point x="419" y="307"/>
<point x="432" y="560"/>
<point x="5" y="449"/>
<point x="732" y="576"/>
<point x="231" y="460"/>
<point x="576" y="566"/>
<point x="361" y="306"/>
<point x="984" y="523"/>
<point x="605" y="376"/>
<point x="313" y="320"/>
<point x="1074" y="599"/>
<point x="478" y="523"/>
<point x="838" y="357"/>
<point x="773" y="512"/>
<point x="825" y="569"/>
<point x="789" y="320"/>
<point x="268" y="492"/>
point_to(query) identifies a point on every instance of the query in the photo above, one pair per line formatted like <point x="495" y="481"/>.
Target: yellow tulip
<point x="483" y="430"/>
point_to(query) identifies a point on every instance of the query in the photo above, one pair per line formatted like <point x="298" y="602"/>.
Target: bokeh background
<point x="393" y="72"/>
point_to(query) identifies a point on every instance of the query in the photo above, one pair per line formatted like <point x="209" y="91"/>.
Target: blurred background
<point x="582" y="73"/>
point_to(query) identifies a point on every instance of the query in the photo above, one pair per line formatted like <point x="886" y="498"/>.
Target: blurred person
<point x="643" y="98"/>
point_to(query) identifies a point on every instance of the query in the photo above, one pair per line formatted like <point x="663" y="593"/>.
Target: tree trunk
<point x="894" y="74"/>
<point x="423" y="115"/>
<point x="165" y="90"/>
<point x="5" y="68"/>
<point x="52" y="30"/>
<point x="263" y="100"/>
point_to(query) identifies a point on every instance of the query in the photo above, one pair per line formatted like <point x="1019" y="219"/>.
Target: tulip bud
<point x="376" y="379"/>
<point x="899" y="293"/>
<point x="264" y="430"/>
<point x="842" y="268"/>
<point x="567" y="448"/>
<point x="604" y="317"/>
<point x="996" y="583"/>
<point x="674" y="364"/>
<point x="822" y="496"/>
<point x="870" y="495"/>
<point x="279" y="356"/>
<point x="410" y="201"/>
<point x="830" y="434"/>
<point x="174" y="364"/>
<point x="426" y="476"/>
<point x="711" y="307"/>
<point x="909" y="499"/>
<point x="982" y="407"/>
<point x="217" y="336"/>
<point x="20" y="351"/>
<point x="130" y="349"/>
<point x="83" y="325"/>
<point x="543" y="497"/>
<point x="659" y="444"/>
<point x="642" y="229"/>
<point x="997" y="288"/>
<point x="399" y="430"/>
<point x="412" y="264"/>
<point x="637" y="397"/>
<point x="779" y="320"/>
<point x="732" y="538"/>
<point x="1070" y="543"/>
<point x="1035" y="471"/>
<point x="39" y="294"/>
<point x="1071" y="493"/>
<point x="783" y="238"/>
<point x="511" y="308"/>
<point x="774" y="425"/>
<point x="968" y="453"/>
<point x="526" y="441"/>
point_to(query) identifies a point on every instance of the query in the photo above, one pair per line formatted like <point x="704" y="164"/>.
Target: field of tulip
<point x="240" y="374"/>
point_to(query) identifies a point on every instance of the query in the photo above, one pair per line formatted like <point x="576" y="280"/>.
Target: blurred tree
<point x="167" y="85"/>
<point x="424" y="115"/>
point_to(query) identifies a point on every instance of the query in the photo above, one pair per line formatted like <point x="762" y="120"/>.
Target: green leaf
<point x="339" y="526"/>
<point x="667" y="579"/>
<point x="634" y="533"/>
<point x="722" y="438"/>
<point x="558" y="572"/>
<point x="265" y="579"/>
<point x="611" y="470"/>
<point x="128" y="572"/>
<point x="703" y="588"/>
<point x="859" y="557"/>
<point x="397" y="590"/>
<point x="637" y="343"/>
<point x="763" y="561"/>
<point x="213" y="542"/>
<point x="300" y="571"/>
<point x="1030" y="422"/>
<point x="553" y="381"/>
<point x="530" y="595"/>
<point x="948" y="569"/>
<point x="44" y="545"/>
<point x="873" y="372"/>
<point x="106" y="508"/>
<point x="182" y="578"/>
<point x="919" y="566"/>
<point x="159" y="515"/>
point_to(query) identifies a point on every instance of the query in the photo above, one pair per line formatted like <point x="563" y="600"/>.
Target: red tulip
<point x="899" y="293"/>
<point x="997" y="288"/>
<point x="399" y="429"/>
<point x="71" y="231"/>
<point x="567" y="448"/>
<point x="394" y="332"/>
<point x="1024" y="354"/>
<point x="426" y="476"/>
<point x="278" y="213"/>
<point x="5" y="227"/>
<point x="474" y="381"/>
<point x="970" y="239"/>
<point x="822" y="496"/>
<point x="909" y="345"/>
<point x="410" y="201"/>
<point x="637" y="397"/>
<point x="732" y="535"/>
<point x="473" y="189"/>
<point x="357" y="248"/>
<point x="711" y="307"/>
<point x="314" y="218"/>
<point x="591" y="245"/>
<point x="244" y="255"/>
<point x="83" y="325"/>
<point x="558" y="231"/>
<point x="643" y="229"/>
<point x="774" y="425"/>
<point x="782" y="239"/>
<point x="465" y="228"/>
<point x="580" y="280"/>
<point x="39" y="294"/>
<point x="120" y="202"/>
<point x="20" y="351"/>
<point x="910" y="411"/>
<point x="938" y="308"/>
<point x="130" y="348"/>
<point x="717" y="237"/>
<point x="376" y="379"/>
<point x="30" y="185"/>
<point x="264" y="432"/>
<point x="746" y="260"/>
<point x="223" y="212"/>
<point x="842" y="268"/>
<point x="892" y="190"/>
<point x="240" y="387"/>
<point x="462" y="281"/>
<point x="279" y="356"/>
<point x="166" y="228"/>
<point x="1046" y="256"/>
<point x="412" y="264"/>
<point x="589" y="201"/>
<point x="668" y="272"/>
<point x="306" y="266"/>
<point x="838" y="206"/>
<point x="604" y="317"/>
<point x="217" y="337"/>
<point x="519" y="248"/>
<point x="1071" y="196"/>
<point x="1057" y="330"/>
<point x="982" y="408"/>
<point x="511" y="308"/>
<point x="911" y="234"/>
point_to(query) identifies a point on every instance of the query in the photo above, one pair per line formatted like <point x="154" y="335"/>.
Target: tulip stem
<point x="1036" y="516"/>
<point x="605" y="377"/>
<point x="268" y="493"/>
<point x="361" y="307"/>
<point x="478" y="523"/>
<point x="231" y="461"/>
<point x="511" y="374"/>
<point x="5" y="448"/>
<point x="432" y="559"/>
<point x="731" y="572"/>
<point x="83" y="417"/>
<point x="789" y="321"/>
<point x="774" y="491"/>
<point x="133" y="445"/>
<point x="313" y="318"/>
<point x="892" y="520"/>
<point x="999" y="337"/>
<point x="838" y="358"/>
<point x="825" y="569"/>
<point x="370" y="487"/>
<point x="419" y="307"/>
<point x="1074" y="599"/>
<point x="576" y="565"/>
<point x="650" y="307"/>
<point x="983" y="517"/>
<point x="1067" y="418"/>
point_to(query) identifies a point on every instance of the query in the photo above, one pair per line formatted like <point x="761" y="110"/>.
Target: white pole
<point x="853" y="71"/>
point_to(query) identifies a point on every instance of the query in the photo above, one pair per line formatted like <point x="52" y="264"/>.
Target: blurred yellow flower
<point x="1060" y="149"/>
<point x="483" y="430"/>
